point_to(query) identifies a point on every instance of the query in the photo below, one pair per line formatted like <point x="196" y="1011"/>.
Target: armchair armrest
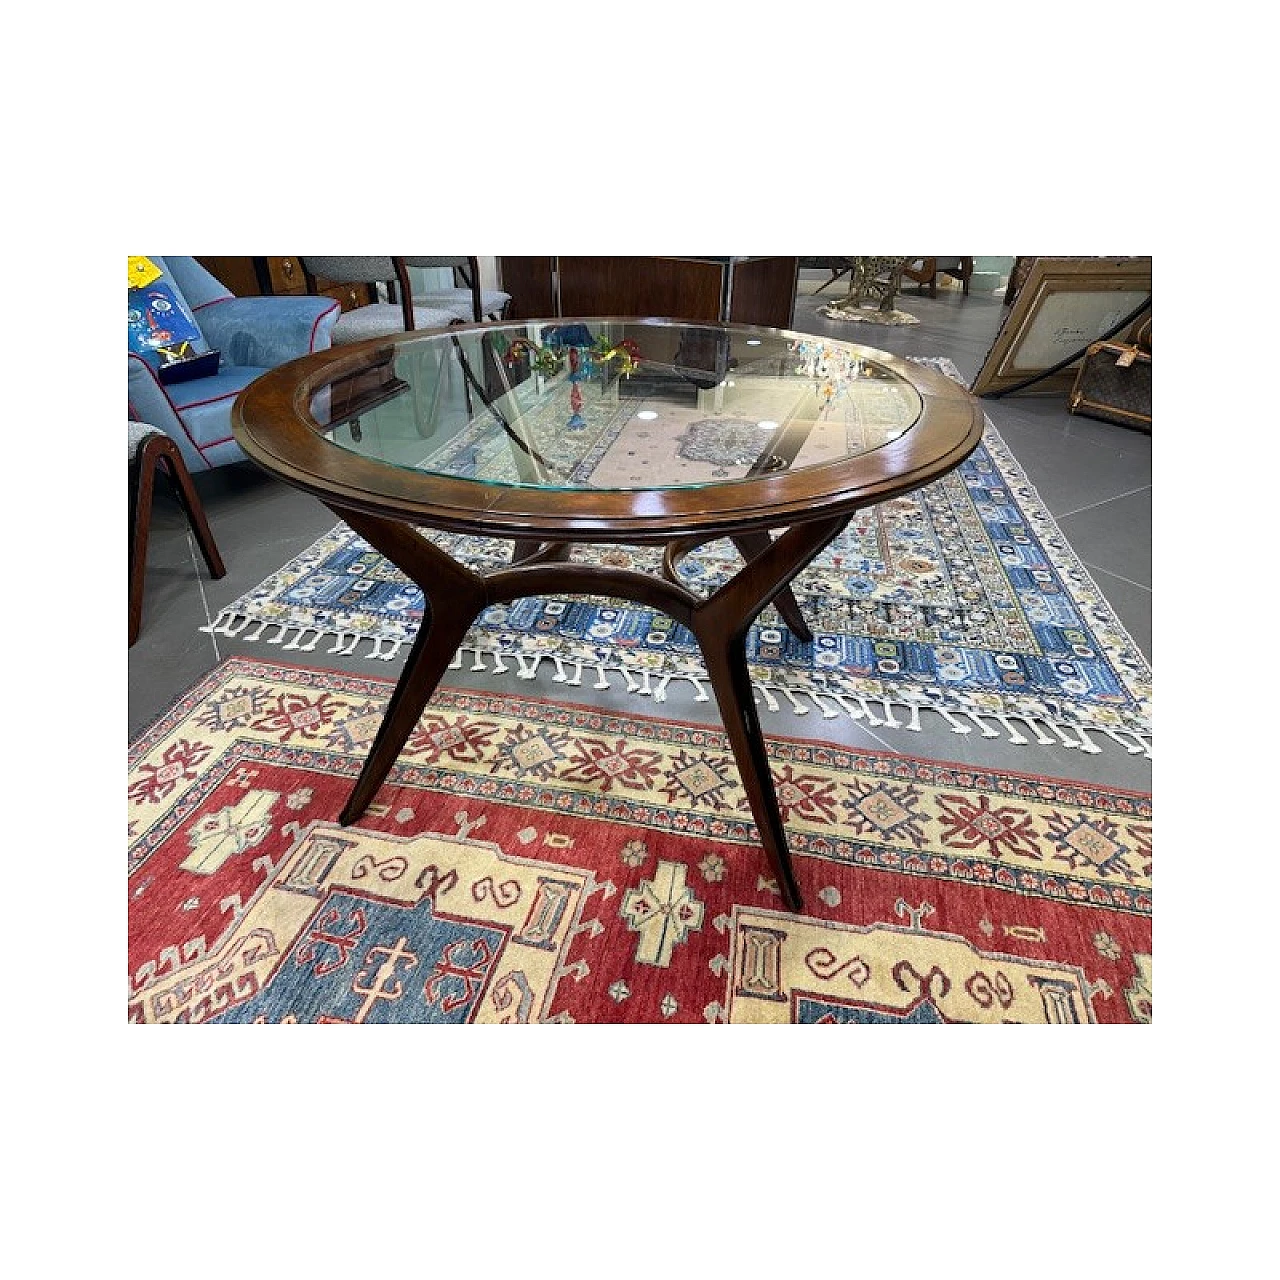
<point x="148" y="400"/>
<point x="268" y="331"/>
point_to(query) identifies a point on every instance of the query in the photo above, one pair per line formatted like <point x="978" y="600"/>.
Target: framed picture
<point x="1062" y="306"/>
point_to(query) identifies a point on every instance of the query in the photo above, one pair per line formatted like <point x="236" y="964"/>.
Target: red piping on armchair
<point x="311" y="345"/>
<point x="196" y="404"/>
<point x="152" y="374"/>
<point x="213" y="302"/>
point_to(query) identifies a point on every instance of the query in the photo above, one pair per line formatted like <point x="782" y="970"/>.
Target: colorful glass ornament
<point x="576" y="421"/>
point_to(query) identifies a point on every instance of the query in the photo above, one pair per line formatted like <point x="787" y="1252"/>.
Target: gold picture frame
<point x="1063" y="305"/>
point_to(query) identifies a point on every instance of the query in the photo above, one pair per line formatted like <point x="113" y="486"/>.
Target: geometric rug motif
<point x="963" y="598"/>
<point x="531" y="861"/>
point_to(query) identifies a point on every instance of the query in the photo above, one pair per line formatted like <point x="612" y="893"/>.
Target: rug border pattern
<point x="457" y="780"/>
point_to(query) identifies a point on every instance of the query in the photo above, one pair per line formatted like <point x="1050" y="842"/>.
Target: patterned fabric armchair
<point x="252" y="335"/>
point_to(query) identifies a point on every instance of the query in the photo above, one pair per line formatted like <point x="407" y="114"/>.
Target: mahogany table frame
<point x="386" y="505"/>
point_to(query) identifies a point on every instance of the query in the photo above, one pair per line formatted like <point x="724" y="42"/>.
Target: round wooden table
<point x="546" y="434"/>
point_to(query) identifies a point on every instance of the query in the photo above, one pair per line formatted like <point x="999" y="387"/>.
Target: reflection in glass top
<point x="593" y="405"/>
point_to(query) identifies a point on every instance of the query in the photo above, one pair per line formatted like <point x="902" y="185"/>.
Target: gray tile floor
<point x="1094" y="478"/>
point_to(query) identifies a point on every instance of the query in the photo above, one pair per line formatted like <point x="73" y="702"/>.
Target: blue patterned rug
<point x="962" y="598"/>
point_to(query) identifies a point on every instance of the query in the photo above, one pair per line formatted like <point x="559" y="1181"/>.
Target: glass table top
<point x="616" y="404"/>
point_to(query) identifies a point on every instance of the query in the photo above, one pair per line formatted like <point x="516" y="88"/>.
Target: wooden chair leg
<point x="155" y="452"/>
<point x="185" y="488"/>
<point x="471" y="278"/>
<point x="139" y="528"/>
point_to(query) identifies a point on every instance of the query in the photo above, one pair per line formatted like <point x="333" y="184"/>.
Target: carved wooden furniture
<point x="771" y="439"/>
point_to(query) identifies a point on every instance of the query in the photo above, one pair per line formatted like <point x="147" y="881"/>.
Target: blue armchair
<point x="252" y="335"/>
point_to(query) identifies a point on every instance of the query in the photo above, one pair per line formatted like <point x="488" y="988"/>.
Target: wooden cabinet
<point x="250" y="277"/>
<point x="744" y="290"/>
<point x="286" y="275"/>
<point x="350" y="295"/>
<point x="531" y="284"/>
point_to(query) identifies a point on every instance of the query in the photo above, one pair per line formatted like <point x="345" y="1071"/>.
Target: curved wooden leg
<point x="158" y="451"/>
<point x="139" y="530"/>
<point x="437" y="641"/>
<point x="750" y="545"/>
<point x="720" y="625"/>
<point x="439" y="635"/>
<point x="185" y="488"/>
<point x="731" y="682"/>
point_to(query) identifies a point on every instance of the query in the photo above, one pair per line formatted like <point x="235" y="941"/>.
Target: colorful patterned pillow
<point x="162" y="329"/>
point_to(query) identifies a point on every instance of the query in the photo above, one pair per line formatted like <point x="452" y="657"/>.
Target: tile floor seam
<point x="1119" y="577"/>
<point x="1066" y="515"/>
<point x="204" y="598"/>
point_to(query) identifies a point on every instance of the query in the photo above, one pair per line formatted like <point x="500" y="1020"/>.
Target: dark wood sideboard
<point x="745" y="290"/>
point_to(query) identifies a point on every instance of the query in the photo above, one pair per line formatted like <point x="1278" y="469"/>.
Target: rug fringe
<point x="222" y="625"/>
<point x="875" y="711"/>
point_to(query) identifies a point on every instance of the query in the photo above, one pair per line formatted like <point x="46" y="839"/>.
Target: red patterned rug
<point x="530" y="861"/>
